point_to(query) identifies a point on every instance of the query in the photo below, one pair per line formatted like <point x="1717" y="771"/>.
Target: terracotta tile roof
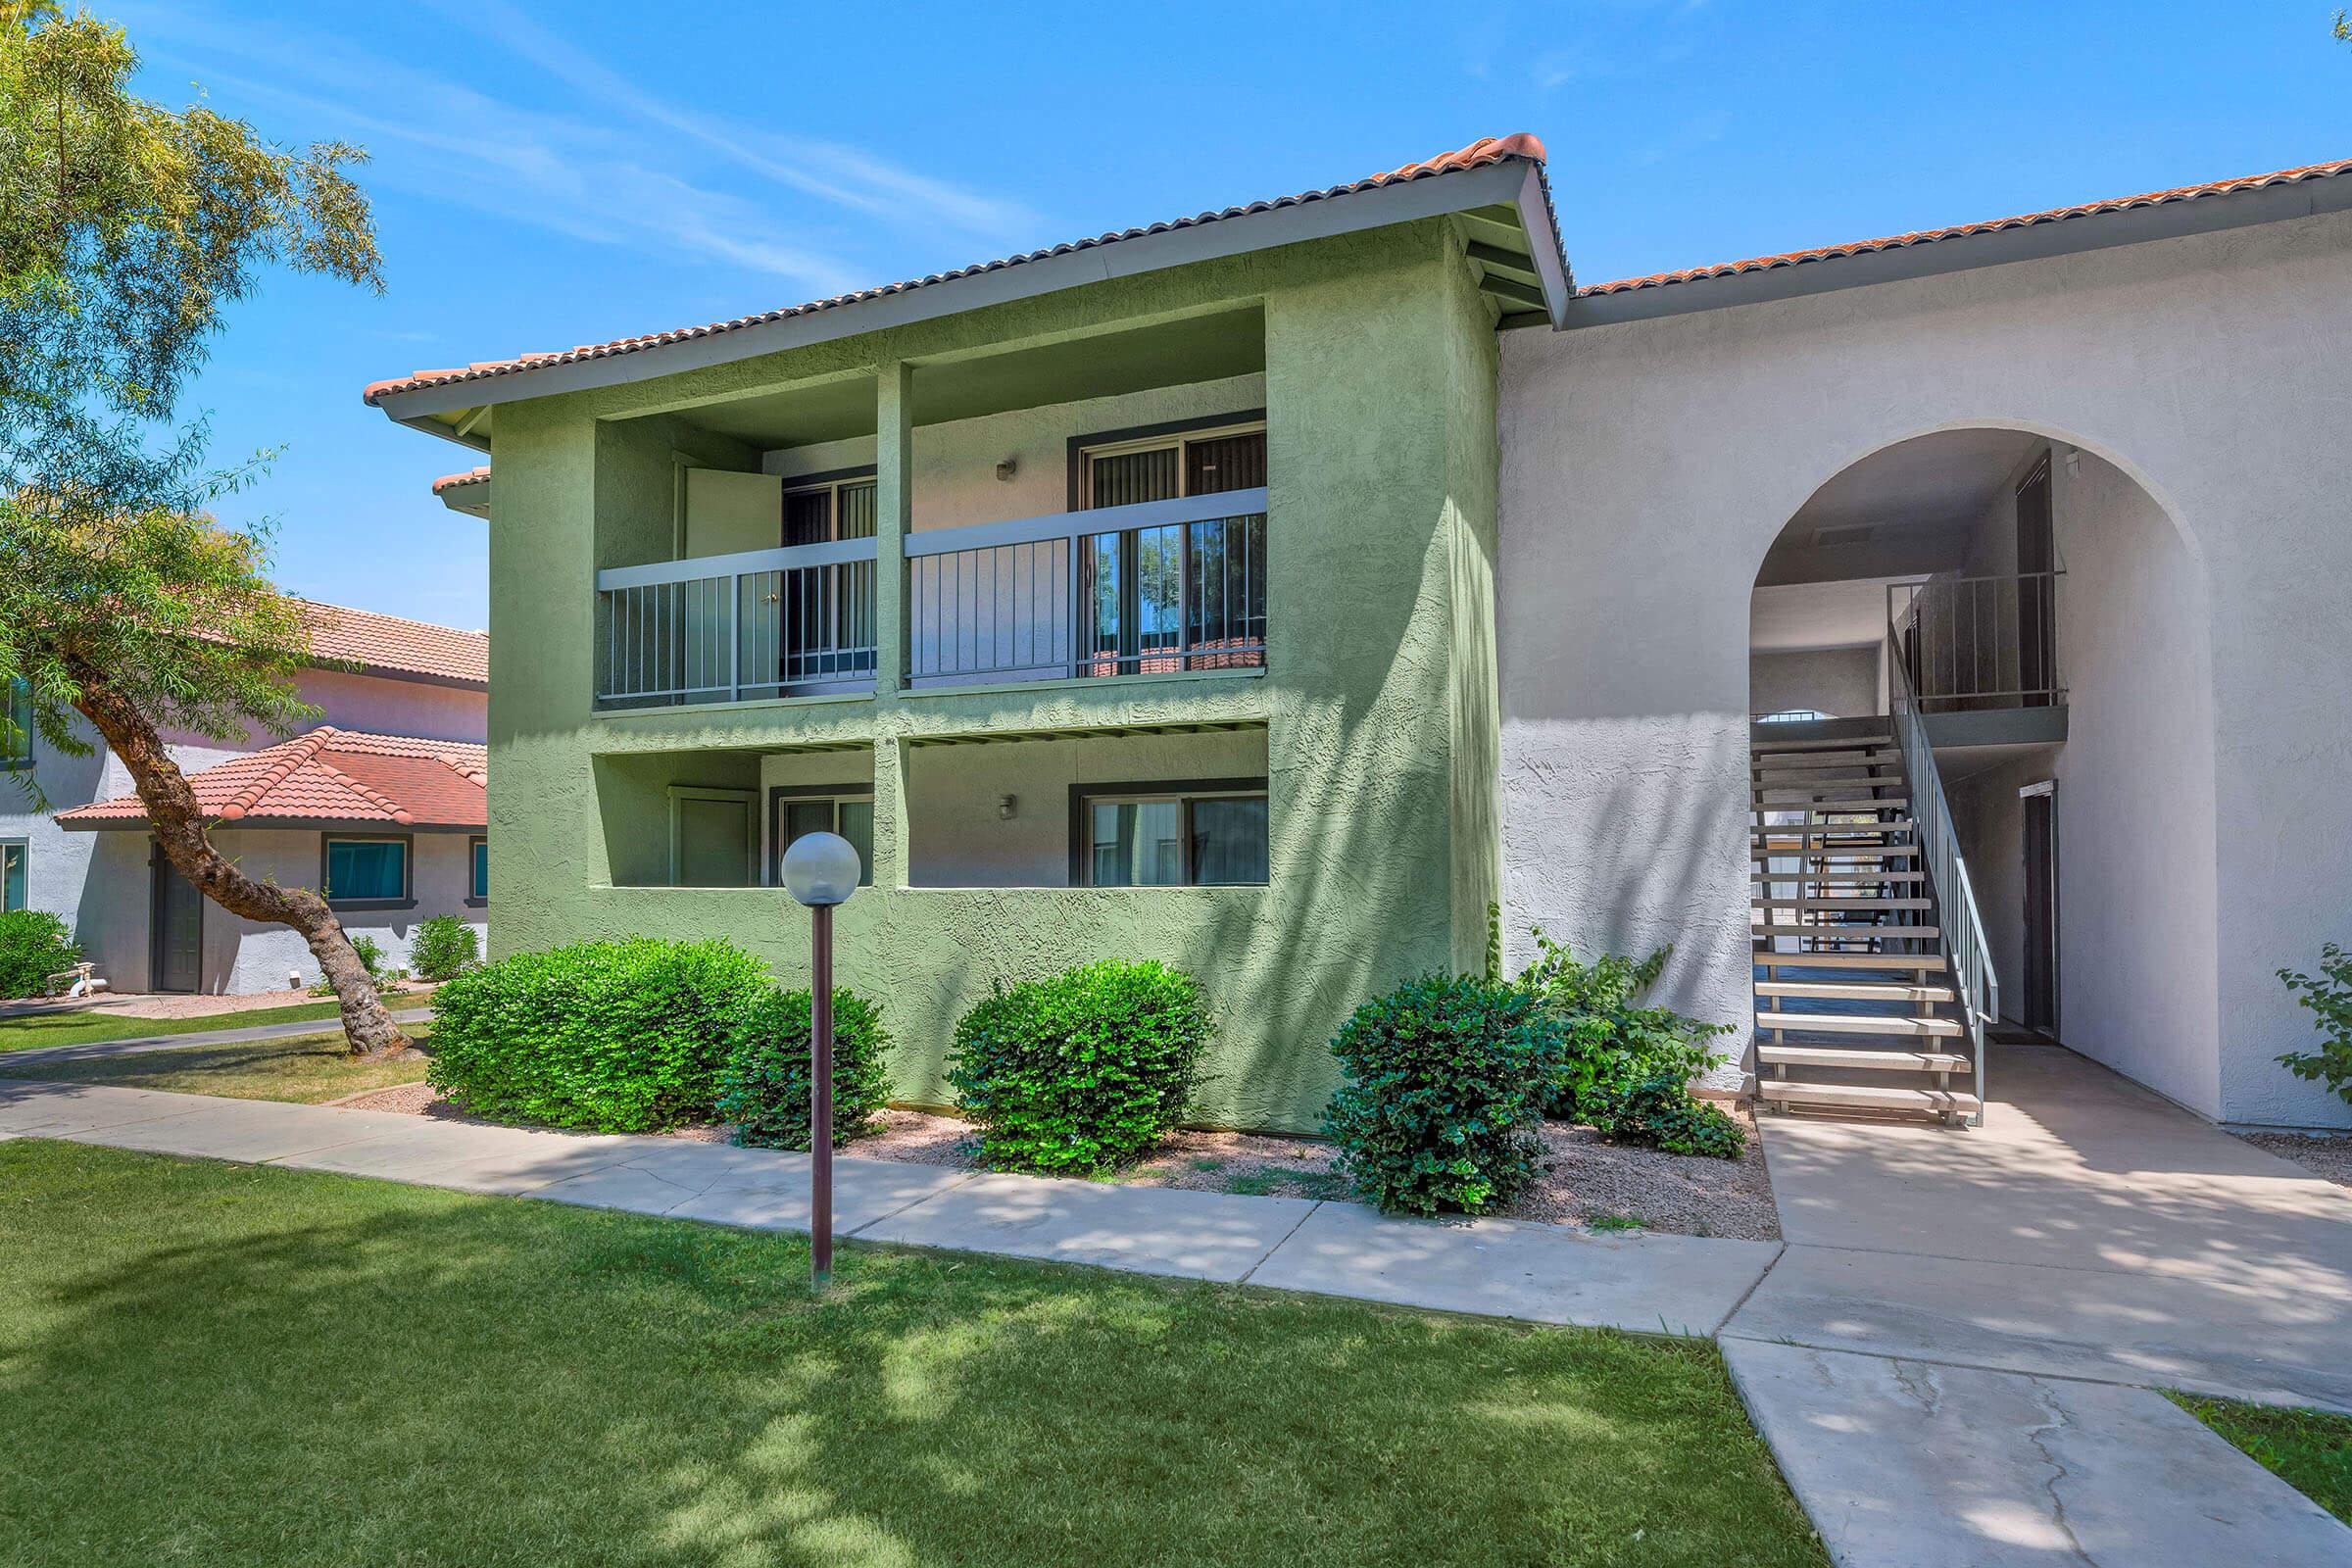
<point x="390" y="644"/>
<point x="1478" y="155"/>
<point x="452" y="482"/>
<point x="2056" y="215"/>
<point x="332" y="775"/>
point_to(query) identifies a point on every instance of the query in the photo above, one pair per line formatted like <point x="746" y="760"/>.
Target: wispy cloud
<point x="846" y="176"/>
<point x="594" y="176"/>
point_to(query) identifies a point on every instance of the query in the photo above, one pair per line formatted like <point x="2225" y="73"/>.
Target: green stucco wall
<point x="1378" y="702"/>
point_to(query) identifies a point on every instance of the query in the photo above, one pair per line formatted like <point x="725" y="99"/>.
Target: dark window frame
<point x="22" y="845"/>
<point x="830" y="481"/>
<point x="407" y="871"/>
<point x="778" y="793"/>
<point x="1080" y="445"/>
<point x="1182" y="790"/>
<point x="477" y="900"/>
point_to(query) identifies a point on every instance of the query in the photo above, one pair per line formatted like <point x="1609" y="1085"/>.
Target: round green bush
<point x="1084" y="1071"/>
<point x="1662" y="1113"/>
<point x="444" y="947"/>
<point x="615" y="1036"/>
<point x="763" y="1088"/>
<point x="1445" y="1078"/>
<point x="34" y="946"/>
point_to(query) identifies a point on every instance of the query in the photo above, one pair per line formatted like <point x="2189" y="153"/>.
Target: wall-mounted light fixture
<point x="1008" y="467"/>
<point x="1005" y="805"/>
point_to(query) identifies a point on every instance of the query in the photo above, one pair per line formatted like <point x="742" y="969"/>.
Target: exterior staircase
<point x="1858" y="1008"/>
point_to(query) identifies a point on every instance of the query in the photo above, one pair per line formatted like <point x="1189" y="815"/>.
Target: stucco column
<point x="890" y="813"/>
<point x="894" y="500"/>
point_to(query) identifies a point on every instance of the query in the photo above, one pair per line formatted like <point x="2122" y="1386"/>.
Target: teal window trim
<point x="15" y="872"/>
<point x="405" y="860"/>
<point x="477" y="871"/>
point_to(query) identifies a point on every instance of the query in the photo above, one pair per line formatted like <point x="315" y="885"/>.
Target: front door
<point x="176" y="955"/>
<point x="2040" y="1009"/>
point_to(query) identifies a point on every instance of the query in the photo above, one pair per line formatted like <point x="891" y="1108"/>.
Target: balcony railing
<point x="1160" y="587"/>
<point x="1974" y="643"/>
<point x="734" y="628"/>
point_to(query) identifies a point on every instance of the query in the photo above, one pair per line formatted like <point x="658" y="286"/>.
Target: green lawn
<point x="2310" y="1450"/>
<point x="308" y="1069"/>
<point x="209" y="1363"/>
<point x="84" y="1028"/>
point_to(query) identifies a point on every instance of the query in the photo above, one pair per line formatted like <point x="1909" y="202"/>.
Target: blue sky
<point x="552" y="174"/>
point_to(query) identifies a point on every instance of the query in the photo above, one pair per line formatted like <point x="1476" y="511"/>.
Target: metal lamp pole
<point x="820" y="870"/>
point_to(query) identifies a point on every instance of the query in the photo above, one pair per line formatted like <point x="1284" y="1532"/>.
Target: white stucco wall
<point x="955" y="463"/>
<point x="1842" y="682"/>
<point x="99" y="882"/>
<point x="1648" y="467"/>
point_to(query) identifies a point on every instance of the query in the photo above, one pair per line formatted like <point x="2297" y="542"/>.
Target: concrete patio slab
<point x="1149" y="1230"/>
<point x="1512" y="1268"/>
<point x="2248" y="1342"/>
<point x="1907" y="1464"/>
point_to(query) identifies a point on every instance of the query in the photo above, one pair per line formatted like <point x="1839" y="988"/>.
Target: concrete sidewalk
<point x="205" y="1037"/>
<point x="1540" y="1273"/>
<point x="1954" y="1360"/>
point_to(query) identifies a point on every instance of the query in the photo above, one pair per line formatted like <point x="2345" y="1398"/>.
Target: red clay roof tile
<point x="395" y="645"/>
<point x="1477" y="155"/>
<point x="331" y="775"/>
<point x="1863" y="247"/>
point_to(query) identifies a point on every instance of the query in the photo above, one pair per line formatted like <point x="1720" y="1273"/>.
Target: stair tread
<point x="1832" y="902"/>
<point x="1851" y="851"/>
<point x="1761" y="929"/>
<point x="1826" y="830"/>
<point x="1794" y="1091"/>
<point x="1928" y="961"/>
<point x="1851" y="1057"/>
<point x="1815" y="875"/>
<point x="1843" y="1023"/>
<point x="1887" y="803"/>
<point x="1854" y="990"/>
<point x="1823" y="743"/>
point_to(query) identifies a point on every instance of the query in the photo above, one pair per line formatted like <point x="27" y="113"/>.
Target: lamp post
<point x="820" y="870"/>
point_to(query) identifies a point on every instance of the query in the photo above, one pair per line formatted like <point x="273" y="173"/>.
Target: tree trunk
<point x="179" y="831"/>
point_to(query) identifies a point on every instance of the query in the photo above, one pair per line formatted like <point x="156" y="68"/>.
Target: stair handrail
<point x="1967" y="951"/>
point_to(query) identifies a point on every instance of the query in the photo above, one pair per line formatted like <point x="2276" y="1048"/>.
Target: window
<point x="1209" y="833"/>
<point x="477" y="882"/>
<point x="796" y="812"/>
<point x="830" y="507"/>
<point x="15" y="728"/>
<point x="370" y="871"/>
<point x="1189" y="596"/>
<point x="14" y="856"/>
<point x="827" y="613"/>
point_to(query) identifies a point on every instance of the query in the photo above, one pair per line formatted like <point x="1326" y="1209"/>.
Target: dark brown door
<point x="176" y="931"/>
<point x="2040" y="1009"/>
<point x="2037" y="597"/>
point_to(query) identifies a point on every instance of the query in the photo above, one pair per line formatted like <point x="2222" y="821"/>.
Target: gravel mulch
<point x="2328" y="1154"/>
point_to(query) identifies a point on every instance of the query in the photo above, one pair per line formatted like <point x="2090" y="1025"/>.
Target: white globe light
<point x="822" y="868"/>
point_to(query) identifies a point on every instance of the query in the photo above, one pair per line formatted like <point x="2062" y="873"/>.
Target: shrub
<point x="2330" y="999"/>
<point x="1612" y="1045"/>
<point x="1661" y="1112"/>
<point x="370" y="953"/>
<point x="763" y="1088"/>
<point x="1084" y="1071"/>
<point x="34" y="946"/>
<point x="614" y="1036"/>
<point x="1445" y="1083"/>
<point x="444" y="947"/>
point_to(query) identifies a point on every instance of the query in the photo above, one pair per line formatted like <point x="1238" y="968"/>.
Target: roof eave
<point x="291" y="824"/>
<point x="2059" y="236"/>
<point x="1515" y="182"/>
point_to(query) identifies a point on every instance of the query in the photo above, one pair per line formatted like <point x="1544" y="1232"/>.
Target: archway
<point x="1982" y="777"/>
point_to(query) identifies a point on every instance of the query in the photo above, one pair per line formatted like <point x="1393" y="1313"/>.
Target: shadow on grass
<point x="204" y="1362"/>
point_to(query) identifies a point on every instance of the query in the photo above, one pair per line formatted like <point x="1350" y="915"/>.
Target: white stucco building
<point x="383" y="804"/>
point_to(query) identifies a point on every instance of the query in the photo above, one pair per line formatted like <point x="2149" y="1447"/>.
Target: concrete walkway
<point x="1540" y="1273"/>
<point x="1953" y="1360"/>
<point x="9" y="1060"/>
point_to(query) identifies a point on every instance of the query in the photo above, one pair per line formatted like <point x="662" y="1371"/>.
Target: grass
<point x="2310" y="1450"/>
<point x="210" y="1363"/>
<point x="308" y="1071"/>
<point x="82" y="1028"/>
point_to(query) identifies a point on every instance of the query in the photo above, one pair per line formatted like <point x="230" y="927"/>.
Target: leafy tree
<point x="126" y="231"/>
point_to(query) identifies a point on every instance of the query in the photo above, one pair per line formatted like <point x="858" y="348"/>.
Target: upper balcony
<point x="1140" y="551"/>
